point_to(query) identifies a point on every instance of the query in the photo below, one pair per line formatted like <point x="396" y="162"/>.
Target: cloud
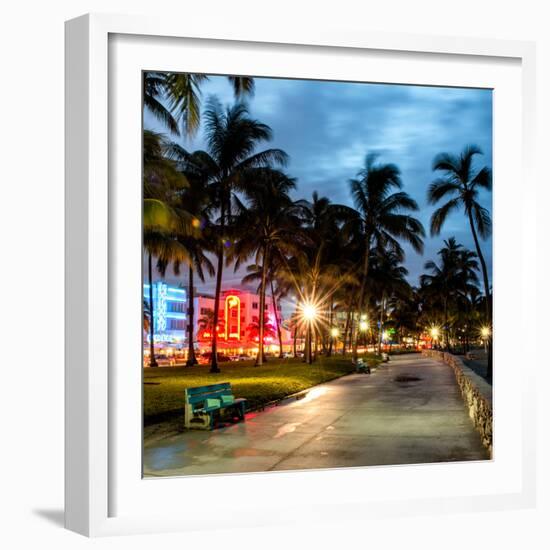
<point x="327" y="128"/>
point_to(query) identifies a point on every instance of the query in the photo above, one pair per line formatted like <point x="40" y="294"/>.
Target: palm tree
<point x="232" y="137"/>
<point x="453" y="276"/>
<point x="195" y="201"/>
<point x="181" y="92"/>
<point x="382" y="217"/>
<point x="146" y="316"/>
<point x="388" y="280"/>
<point x="161" y="222"/>
<point x="260" y="327"/>
<point x="461" y="183"/>
<point x="268" y="226"/>
<point x="279" y="287"/>
<point x="206" y="322"/>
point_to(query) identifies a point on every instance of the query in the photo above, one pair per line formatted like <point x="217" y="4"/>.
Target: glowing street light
<point x="434" y="333"/>
<point x="485" y="332"/>
<point x="363" y="326"/>
<point x="309" y="312"/>
<point x="334" y="332"/>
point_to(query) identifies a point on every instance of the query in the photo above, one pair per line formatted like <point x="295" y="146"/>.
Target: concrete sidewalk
<point x="357" y="420"/>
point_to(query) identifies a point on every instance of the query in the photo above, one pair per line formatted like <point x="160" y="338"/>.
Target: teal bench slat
<point x="209" y="389"/>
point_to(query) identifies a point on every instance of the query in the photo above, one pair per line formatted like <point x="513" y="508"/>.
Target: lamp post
<point x="364" y="327"/>
<point x="485" y="333"/>
<point x="309" y="313"/>
<point x="434" y="333"/>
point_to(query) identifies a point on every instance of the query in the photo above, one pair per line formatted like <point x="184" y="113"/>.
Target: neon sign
<point x="160" y="309"/>
<point x="232" y="303"/>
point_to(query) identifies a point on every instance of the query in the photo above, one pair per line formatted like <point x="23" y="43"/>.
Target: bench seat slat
<point x="208" y="389"/>
<point x="193" y="400"/>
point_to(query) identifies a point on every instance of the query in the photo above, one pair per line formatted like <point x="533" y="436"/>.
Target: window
<point x="204" y="310"/>
<point x="177" y="307"/>
<point x="177" y="324"/>
<point x="254" y="305"/>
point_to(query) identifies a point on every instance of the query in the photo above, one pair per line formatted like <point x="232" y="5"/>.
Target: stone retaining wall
<point x="476" y="392"/>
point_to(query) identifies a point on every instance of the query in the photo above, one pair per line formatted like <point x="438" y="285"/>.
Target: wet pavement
<point x="359" y="420"/>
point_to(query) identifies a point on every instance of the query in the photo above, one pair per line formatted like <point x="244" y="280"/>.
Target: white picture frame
<point x="96" y="419"/>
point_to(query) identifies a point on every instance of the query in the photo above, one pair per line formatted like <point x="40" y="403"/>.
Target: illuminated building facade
<point x="169" y="313"/>
<point x="238" y="322"/>
<point x="237" y="327"/>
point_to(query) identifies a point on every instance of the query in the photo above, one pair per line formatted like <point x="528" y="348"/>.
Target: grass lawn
<point x="163" y="386"/>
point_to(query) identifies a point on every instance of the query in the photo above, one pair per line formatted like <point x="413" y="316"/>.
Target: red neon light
<point x="232" y="303"/>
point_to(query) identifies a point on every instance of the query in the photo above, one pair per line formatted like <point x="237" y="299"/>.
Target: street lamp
<point x="485" y="333"/>
<point x="434" y="333"/>
<point x="334" y="332"/>
<point x="309" y="314"/>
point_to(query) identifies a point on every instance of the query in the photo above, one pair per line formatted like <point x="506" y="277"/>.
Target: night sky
<point x="327" y="128"/>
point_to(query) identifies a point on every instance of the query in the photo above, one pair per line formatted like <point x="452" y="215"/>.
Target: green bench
<point x="204" y="404"/>
<point x="362" y="367"/>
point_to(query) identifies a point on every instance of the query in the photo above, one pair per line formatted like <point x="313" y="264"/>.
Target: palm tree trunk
<point x="309" y="336"/>
<point x="351" y="329"/>
<point x="152" y="358"/>
<point x="214" y="359"/>
<point x="295" y="336"/>
<point x="488" y="318"/>
<point x="346" y="329"/>
<point x="214" y="368"/>
<point x="191" y="359"/>
<point x="445" y="323"/>
<point x="381" y="322"/>
<point x="261" y="320"/>
<point x="279" y="334"/>
<point x="331" y="338"/>
<point x="361" y="296"/>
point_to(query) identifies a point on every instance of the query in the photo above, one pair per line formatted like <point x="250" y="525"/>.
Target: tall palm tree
<point x="461" y="184"/>
<point x="181" y="92"/>
<point x="450" y="278"/>
<point x="383" y="215"/>
<point x="268" y="225"/>
<point x="387" y="280"/>
<point x="279" y="287"/>
<point x="232" y="137"/>
<point x="161" y="222"/>
<point x="195" y="201"/>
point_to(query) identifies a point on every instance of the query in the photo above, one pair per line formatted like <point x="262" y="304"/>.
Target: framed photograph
<point x="289" y="280"/>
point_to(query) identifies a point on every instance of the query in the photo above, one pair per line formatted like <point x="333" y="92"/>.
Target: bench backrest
<point x="197" y="396"/>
